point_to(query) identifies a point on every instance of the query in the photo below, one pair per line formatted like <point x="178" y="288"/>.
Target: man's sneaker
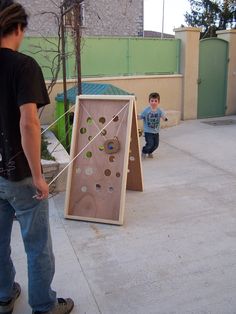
<point x="150" y="155"/>
<point x="143" y="156"/>
<point x="7" y="307"/>
<point x="63" y="306"/>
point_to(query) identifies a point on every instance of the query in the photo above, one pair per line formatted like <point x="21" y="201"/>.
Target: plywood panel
<point x="135" y="176"/>
<point x="97" y="180"/>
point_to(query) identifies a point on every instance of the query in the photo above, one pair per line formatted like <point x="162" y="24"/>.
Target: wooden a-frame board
<point x="97" y="180"/>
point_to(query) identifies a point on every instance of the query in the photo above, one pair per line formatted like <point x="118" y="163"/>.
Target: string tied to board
<point x="111" y="145"/>
<point x="83" y="149"/>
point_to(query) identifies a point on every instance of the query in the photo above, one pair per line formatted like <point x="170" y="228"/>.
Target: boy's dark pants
<point x="152" y="142"/>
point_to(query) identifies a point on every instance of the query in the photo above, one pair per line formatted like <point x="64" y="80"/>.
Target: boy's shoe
<point x="63" y="306"/>
<point x="150" y="155"/>
<point x="7" y="307"/>
<point x="143" y="156"/>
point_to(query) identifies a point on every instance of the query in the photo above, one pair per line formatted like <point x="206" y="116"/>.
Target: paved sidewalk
<point x="175" y="254"/>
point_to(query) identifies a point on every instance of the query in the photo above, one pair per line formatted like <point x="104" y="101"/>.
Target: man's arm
<point x="31" y="143"/>
<point x="164" y="118"/>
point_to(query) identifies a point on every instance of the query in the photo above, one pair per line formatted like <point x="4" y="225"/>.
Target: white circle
<point x="84" y="189"/>
<point x="132" y="158"/>
<point x="78" y="170"/>
<point x="89" y="171"/>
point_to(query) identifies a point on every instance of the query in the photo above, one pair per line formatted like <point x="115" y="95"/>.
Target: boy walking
<point x="23" y="190"/>
<point x="151" y="120"/>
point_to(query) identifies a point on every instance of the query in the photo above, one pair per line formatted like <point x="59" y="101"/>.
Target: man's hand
<point x="42" y="188"/>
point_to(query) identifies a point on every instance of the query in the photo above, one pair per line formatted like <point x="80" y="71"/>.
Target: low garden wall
<point x="169" y="86"/>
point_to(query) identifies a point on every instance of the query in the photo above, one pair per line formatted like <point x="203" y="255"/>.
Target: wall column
<point x="230" y="36"/>
<point x="189" y="65"/>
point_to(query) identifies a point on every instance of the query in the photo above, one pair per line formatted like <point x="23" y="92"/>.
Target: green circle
<point x="90" y="120"/>
<point x="83" y="130"/>
<point x="89" y="154"/>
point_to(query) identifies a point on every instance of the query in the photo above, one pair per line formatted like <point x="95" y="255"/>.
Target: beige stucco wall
<point x="189" y="37"/>
<point x="230" y="36"/>
<point x="169" y="87"/>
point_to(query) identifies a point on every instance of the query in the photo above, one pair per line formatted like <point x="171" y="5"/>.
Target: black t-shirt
<point x="21" y="82"/>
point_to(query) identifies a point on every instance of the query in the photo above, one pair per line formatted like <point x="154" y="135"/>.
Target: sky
<point x="173" y="17"/>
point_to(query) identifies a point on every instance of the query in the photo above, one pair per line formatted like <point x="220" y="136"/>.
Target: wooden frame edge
<point x="107" y="97"/>
<point x="140" y="158"/>
<point x="131" y="100"/>
<point x="126" y="160"/>
<point x="95" y="220"/>
<point x="72" y="152"/>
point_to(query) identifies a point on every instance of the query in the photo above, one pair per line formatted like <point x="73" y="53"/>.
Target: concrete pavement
<point x="175" y="254"/>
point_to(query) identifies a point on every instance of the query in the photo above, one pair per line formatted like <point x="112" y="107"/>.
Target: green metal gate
<point x="212" y="82"/>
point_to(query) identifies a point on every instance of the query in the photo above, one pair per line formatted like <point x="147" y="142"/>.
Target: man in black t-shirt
<point x="23" y="190"/>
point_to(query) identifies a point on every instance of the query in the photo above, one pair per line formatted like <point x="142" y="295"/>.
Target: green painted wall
<point x="105" y="56"/>
<point x="44" y="51"/>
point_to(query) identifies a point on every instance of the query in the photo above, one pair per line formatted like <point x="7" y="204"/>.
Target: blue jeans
<point x="152" y="143"/>
<point x="17" y="198"/>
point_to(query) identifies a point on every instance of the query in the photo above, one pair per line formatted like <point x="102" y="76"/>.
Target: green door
<point x="212" y="82"/>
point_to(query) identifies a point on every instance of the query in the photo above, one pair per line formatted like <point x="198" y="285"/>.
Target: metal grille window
<point x="70" y="16"/>
<point x="82" y="14"/>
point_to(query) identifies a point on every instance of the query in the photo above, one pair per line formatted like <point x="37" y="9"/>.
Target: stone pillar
<point x="230" y="36"/>
<point x="189" y="65"/>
